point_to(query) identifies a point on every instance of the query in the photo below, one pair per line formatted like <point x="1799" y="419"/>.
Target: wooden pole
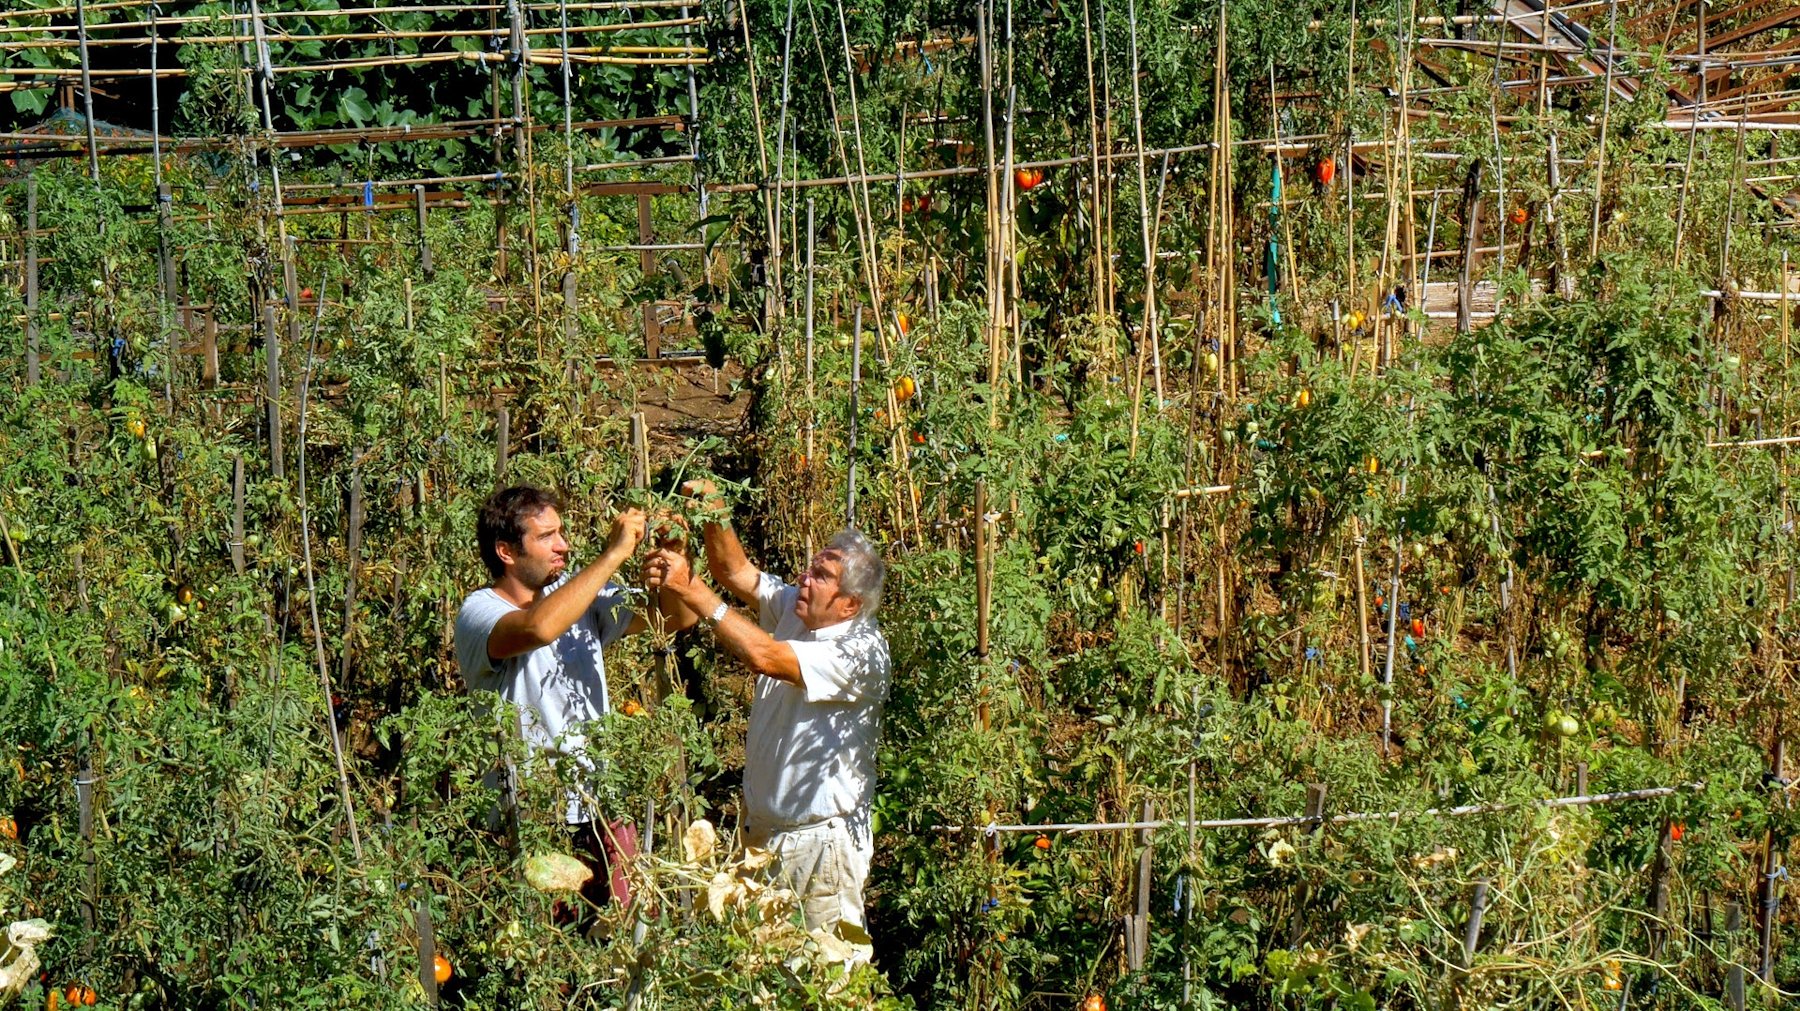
<point x="419" y="210"/>
<point x="237" y="513"/>
<point x="1478" y="903"/>
<point x="272" y="393"/>
<point x="1471" y="216"/>
<point x="353" y="551"/>
<point x="502" y="442"/>
<point x="1734" y="972"/>
<point x="427" y="950"/>
<point x="647" y="267"/>
<point x="1769" y="907"/>
<point x="209" y="348"/>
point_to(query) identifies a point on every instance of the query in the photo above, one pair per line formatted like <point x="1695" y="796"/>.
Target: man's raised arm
<point x="725" y="557"/>
<point x="544" y="620"/>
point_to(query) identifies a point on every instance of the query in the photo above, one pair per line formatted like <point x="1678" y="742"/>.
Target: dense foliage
<point x="1345" y="556"/>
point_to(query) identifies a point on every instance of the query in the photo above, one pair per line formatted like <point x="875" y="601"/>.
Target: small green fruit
<point x="253" y="540"/>
<point x="177" y="614"/>
<point x="148" y="448"/>
<point x="1567" y="726"/>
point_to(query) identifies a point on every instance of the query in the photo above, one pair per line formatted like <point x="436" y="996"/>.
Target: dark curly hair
<point x="503" y="518"/>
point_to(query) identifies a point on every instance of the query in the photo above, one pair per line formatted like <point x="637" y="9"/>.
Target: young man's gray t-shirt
<point x="558" y="687"/>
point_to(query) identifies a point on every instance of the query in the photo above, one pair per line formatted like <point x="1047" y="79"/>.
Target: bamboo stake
<point x="1099" y="265"/>
<point x="1612" y="42"/>
<point x="1143" y="214"/>
<point x="87" y="91"/>
<point x="32" y="368"/>
<point x="787" y="64"/>
<point x="1693" y="138"/>
<point x="312" y="595"/>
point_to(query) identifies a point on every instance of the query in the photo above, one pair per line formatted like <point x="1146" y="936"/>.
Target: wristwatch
<point x="718" y="613"/>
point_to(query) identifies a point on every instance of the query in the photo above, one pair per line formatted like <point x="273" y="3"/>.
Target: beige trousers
<point x="826" y="867"/>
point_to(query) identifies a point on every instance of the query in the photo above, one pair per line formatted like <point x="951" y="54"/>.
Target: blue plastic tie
<point x="368" y="193"/>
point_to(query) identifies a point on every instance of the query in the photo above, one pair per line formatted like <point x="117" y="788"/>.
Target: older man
<point x="535" y="637"/>
<point x="822" y="666"/>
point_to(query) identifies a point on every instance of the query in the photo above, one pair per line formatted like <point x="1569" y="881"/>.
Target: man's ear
<point x="508" y="552"/>
<point x="852" y="607"/>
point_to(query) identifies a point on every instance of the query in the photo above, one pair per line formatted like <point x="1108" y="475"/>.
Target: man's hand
<point x="670" y="570"/>
<point x="627" y="531"/>
<point x="669" y="532"/>
<point x="700" y="488"/>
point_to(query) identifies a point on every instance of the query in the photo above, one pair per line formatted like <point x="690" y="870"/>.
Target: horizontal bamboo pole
<point x="1579" y="800"/>
<point x="371" y="63"/>
<point x="344" y="135"/>
<point x="101" y="8"/>
<point x="284" y="37"/>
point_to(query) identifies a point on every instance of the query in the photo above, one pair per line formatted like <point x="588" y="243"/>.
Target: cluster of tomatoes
<point x="74" y="995"/>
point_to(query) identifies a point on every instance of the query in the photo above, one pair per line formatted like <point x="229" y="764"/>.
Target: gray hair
<point x="863" y="569"/>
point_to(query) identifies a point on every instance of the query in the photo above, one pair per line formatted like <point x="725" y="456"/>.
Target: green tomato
<point x="1567" y="726"/>
<point x="253" y="540"/>
<point x="177" y="614"/>
<point x="21" y="534"/>
<point x="148" y="448"/>
<point x="1106" y="597"/>
<point x="1552" y="721"/>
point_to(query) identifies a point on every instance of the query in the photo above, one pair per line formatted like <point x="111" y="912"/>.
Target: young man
<point x="536" y="636"/>
<point x="809" y="766"/>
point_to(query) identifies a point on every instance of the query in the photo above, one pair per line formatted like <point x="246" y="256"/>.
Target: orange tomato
<point x="903" y="323"/>
<point x="918" y="438"/>
<point x="52" y="1002"/>
<point x="1519" y="216"/>
<point x="631" y="708"/>
<point x="1418" y="626"/>
<point x="440" y="968"/>
<point x="905" y="388"/>
<point x="9" y="828"/>
<point x="1043" y="842"/>
<point x="1094" y="1002"/>
<point x="79" y="996"/>
<point x="1304" y="399"/>
<point x="1028" y="178"/>
<point x="1326" y="172"/>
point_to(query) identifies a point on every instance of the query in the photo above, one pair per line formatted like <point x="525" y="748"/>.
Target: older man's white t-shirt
<point x="810" y="755"/>
<point x="557" y="688"/>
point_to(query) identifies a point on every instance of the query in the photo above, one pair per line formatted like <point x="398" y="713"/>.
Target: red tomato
<point x="1676" y="831"/>
<point x="1418" y="626"/>
<point x="1326" y="171"/>
<point x="1028" y="178"/>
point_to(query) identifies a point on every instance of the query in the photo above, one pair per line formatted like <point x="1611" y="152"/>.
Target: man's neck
<point x="514" y="592"/>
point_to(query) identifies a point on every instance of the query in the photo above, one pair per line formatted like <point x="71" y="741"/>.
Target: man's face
<point x="821" y="603"/>
<point x="540" y="557"/>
